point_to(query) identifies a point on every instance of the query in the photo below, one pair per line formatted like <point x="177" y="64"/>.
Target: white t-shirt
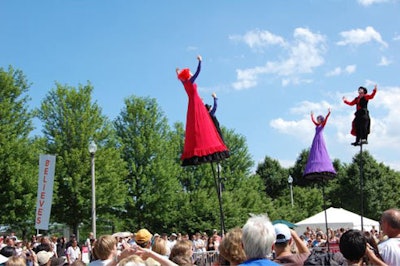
<point x="73" y="253"/>
<point x="390" y="251"/>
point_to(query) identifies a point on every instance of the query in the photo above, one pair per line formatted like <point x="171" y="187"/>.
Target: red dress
<point x="202" y="142"/>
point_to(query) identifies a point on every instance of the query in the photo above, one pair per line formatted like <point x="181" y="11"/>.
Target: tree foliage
<point x="151" y="165"/>
<point x="70" y="121"/>
<point x="18" y="153"/>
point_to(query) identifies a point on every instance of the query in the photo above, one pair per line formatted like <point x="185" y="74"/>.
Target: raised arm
<point x="215" y="105"/>
<point x="353" y="102"/>
<point x="301" y="246"/>
<point x="313" y="119"/>
<point x="326" y="117"/>
<point x="372" y="95"/>
<point x="193" y="78"/>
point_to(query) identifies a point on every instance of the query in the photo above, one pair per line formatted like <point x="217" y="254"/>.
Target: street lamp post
<point x="92" y="151"/>
<point x="290" y="181"/>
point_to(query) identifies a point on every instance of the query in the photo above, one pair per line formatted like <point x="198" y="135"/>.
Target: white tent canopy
<point x="336" y="218"/>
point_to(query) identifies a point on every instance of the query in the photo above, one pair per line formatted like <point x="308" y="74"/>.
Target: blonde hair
<point x="104" y="246"/>
<point x="133" y="260"/>
<point x="181" y="252"/>
<point x="231" y="246"/>
<point x="16" y="261"/>
<point x="160" y="246"/>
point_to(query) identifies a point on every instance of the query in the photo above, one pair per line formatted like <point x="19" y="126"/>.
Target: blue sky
<point x="270" y="62"/>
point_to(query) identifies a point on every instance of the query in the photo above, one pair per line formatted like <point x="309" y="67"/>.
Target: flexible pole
<point x="362" y="187"/>
<point x="219" y="193"/>
<point x="326" y="216"/>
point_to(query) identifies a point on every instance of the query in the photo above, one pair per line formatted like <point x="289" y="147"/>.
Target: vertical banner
<point x="47" y="165"/>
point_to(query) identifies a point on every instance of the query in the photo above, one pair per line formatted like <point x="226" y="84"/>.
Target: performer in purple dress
<point x="319" y="165"/>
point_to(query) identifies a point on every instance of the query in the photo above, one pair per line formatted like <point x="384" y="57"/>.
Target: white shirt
<point x="73" y="253"/>
<point x="390" y="251"/>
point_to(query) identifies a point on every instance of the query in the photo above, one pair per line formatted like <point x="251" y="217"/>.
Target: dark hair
<point x="208" y="107"/>
<point x="8" y="251"/>
<point x="143" y="244"/>
<point x="352" y="245"/>
<point x="371" y="241"/>
<point x="364" y="89"/>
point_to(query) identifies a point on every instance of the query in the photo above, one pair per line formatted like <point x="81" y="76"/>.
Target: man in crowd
<point x="143" y="239"/>
<point x="285" y="238"/>
<point x="390" y="248"/>
<point x="257" y="239"/>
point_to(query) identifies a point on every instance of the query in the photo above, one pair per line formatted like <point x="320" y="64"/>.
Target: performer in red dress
<point x="361" y="124"/>
<point x="202" y="142"/>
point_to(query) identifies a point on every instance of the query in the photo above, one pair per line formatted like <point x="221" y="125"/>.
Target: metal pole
<point x="218" y="186"/>
<point x="362" y="188"/>
<point x="93" y="197"/>
<point x="290" y="180"/>
<point x="291" y="194"/>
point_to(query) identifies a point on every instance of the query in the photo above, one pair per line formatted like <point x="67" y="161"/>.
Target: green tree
<point x="275" y="177"/>
<point x="378" y="183"/>
<point x="70" y="121"/>
<point x="152" y="167"/>
<point x="240" y="190"/>
<point x="18" y="154"/>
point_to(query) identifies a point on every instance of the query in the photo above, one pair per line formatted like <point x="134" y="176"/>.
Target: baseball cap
<point x="43" y="257"/>
<point x="282" y="232"/>
<point x="143" y="236"/>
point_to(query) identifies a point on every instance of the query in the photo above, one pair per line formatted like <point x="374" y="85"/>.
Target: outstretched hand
<point x="214" y="95"/>
<point x="199" y="58"/>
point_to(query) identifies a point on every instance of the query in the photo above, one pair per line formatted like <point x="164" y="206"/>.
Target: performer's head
<point x="320" y="119"/>
<point x="362" y="90"/>
<point x="184" y="74"/>
<point x="208" y="107"/>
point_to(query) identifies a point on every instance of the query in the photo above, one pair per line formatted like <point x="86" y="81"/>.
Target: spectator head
<point x="104" y="247"/>
<point x="16" y="261"/>
<point x="390" y="222"/>
<point x="8" y="251"/>
<point x="182" y="252"/>
<point x="44" y="257"/>
<point x="283" y="235"/>
<point x="160" y="246"/>
<point x="352" y="245"/>
<point x="258" y="237"/>
<point x="133" y="260"/>
<point x="231" y="246"/>
<point x="143" y="238"/>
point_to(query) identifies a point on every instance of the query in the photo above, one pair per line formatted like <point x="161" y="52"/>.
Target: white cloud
<point x="396" y="37"/>
<point x="304" y="53"/>
<point x="384" y="61"/>
<point x="350" y="69"/>
<point x="192" y="48"/>
<point x="359" y="36"/>
<point x="259" y="39"/>
<point x="338" y="71"/>
<point x="371" y="2"/>
<point x="335" y="72"/>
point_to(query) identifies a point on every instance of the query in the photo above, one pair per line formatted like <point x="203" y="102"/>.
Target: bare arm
<point x="301" y="246"/>
<point x="373" y="258"/>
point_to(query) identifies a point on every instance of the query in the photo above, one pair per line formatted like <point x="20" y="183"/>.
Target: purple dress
<point x="319" y="166"/>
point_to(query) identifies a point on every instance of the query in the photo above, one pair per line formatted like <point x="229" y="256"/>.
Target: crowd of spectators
<point x="258" y="242"/>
